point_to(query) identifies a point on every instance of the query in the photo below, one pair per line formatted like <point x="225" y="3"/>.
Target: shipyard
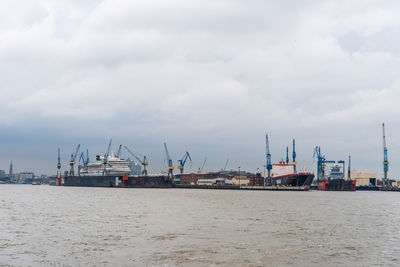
<point x="112" y="170"/>
<point x="199" y="133"/>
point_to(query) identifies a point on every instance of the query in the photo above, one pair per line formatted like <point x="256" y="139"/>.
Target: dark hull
<point x="299" y="179"/>
<point x="337" y="185"/>
<point x="118" y="181"/>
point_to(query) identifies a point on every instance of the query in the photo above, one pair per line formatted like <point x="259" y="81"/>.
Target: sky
<point x="211" y="77"/>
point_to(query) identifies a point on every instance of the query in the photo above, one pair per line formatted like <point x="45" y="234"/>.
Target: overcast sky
<point x="211" y="77"/>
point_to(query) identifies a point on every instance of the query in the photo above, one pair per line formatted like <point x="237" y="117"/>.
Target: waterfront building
<point x="364" y="178"/>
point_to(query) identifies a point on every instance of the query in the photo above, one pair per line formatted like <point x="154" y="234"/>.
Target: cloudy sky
<point x="211" y="77"/>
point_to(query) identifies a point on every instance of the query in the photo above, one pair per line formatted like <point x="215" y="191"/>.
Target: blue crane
<point x="72" y="161"/>
<point x="294" y="156"/>
<point x="269" y="162"/>
<point x="143" y="162"/>
<point x="84" y="158"/>
<point x="385" y="158"/>
<point x="170" y="166"/>
<point x="182" y="161"/>
<point x="321" y="163"/>
<point x="287" y="155"/>
<point x="119" y="151"/>
<point x="59" y="164"/>
<point x="105" y="159"/>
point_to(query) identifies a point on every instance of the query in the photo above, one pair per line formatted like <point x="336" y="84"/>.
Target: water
<point x="68" y="226"/>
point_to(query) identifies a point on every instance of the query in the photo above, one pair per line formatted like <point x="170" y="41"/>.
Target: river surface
<point x="73" y="226"/>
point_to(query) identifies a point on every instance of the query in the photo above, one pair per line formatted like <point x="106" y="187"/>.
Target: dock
<point x="244" y="187"/>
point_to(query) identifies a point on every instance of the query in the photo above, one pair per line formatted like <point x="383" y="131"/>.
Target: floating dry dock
<point x="244" y="187"/>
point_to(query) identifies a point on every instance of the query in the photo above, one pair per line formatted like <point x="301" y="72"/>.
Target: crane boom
<point x="119" y="151"/>
<point x="143" y="162"/>
<point x="204" y="163"/>
<point x="106" y="156"/>
<point x="182" y="161"/>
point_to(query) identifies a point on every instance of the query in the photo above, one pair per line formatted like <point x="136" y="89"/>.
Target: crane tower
<point x="269" y="163"/>
<point x="385" y="158"/>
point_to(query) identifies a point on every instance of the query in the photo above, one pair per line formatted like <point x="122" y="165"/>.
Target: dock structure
<point x="244" y="187"/>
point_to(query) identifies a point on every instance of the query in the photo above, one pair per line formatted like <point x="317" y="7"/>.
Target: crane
<point x="349" y="170"/>
<point x="226" y="164"/>
<point x="119" y="151"/>
<point x="385" y="158"/>
<point x="269" y="162"/>
<point x="72" y="161"/>
<point x="202" y="166"/>
<point x="170" y="166"/>
<point x="294" y="156"/>
<point x="143" y="162"/>
<point x="85" y="159"/>
<point x="183" y="161"/>
<point x="344" y="166"/>
<point x="321" y="163"/>
<point x="106" y="157"/>
<point x="287" y="155"/>
<point x="59" y="164"/>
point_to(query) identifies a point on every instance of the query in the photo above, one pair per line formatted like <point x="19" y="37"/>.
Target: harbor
<point x="114" y="170"/>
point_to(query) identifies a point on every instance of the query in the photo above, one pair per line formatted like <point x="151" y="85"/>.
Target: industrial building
<point x="363" y="178"/>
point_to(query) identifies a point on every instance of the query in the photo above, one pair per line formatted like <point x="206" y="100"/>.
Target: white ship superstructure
<point x="114" y="166"/>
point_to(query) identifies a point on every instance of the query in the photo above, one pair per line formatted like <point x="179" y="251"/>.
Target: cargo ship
<point x="336" y="181"/>
<point x="284" y="174"/>
<point x="114" y="172"/>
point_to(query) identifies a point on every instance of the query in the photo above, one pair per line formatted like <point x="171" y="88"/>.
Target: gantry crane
<point x="170" y="165"/>
<point x="72" y="161"/>
<point x="143" y="162"/>
<point x="182" y="161"/>
<point x="269" y="162"/>
<point x="385" y="158"/>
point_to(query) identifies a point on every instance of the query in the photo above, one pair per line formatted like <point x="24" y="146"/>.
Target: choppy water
<point x="67" y="226"/>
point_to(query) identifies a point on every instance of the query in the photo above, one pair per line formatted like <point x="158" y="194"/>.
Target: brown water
<point x="68" y="226"/>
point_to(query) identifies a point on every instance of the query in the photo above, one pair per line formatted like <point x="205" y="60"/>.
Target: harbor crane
<point x="321" y="163"/>
<point x="182" y="161"/>
<point x="226" y="164"/>
<point x="84" y="158"/>
<point x="269" y="162"/>
<point x="202" y="166"/>
<point x="294" y="156"/>
<point x="287" y="155"/>
<point x="119" y="151"/>
<point x="143" y="162"/>
<point x="59" y="165"/>
<point x="105" y="159"/>
<point x="385" y="158"/>
<point x="170" y="165"/>
<point x="349" y="170"/>
<point x="72" y="161"/>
